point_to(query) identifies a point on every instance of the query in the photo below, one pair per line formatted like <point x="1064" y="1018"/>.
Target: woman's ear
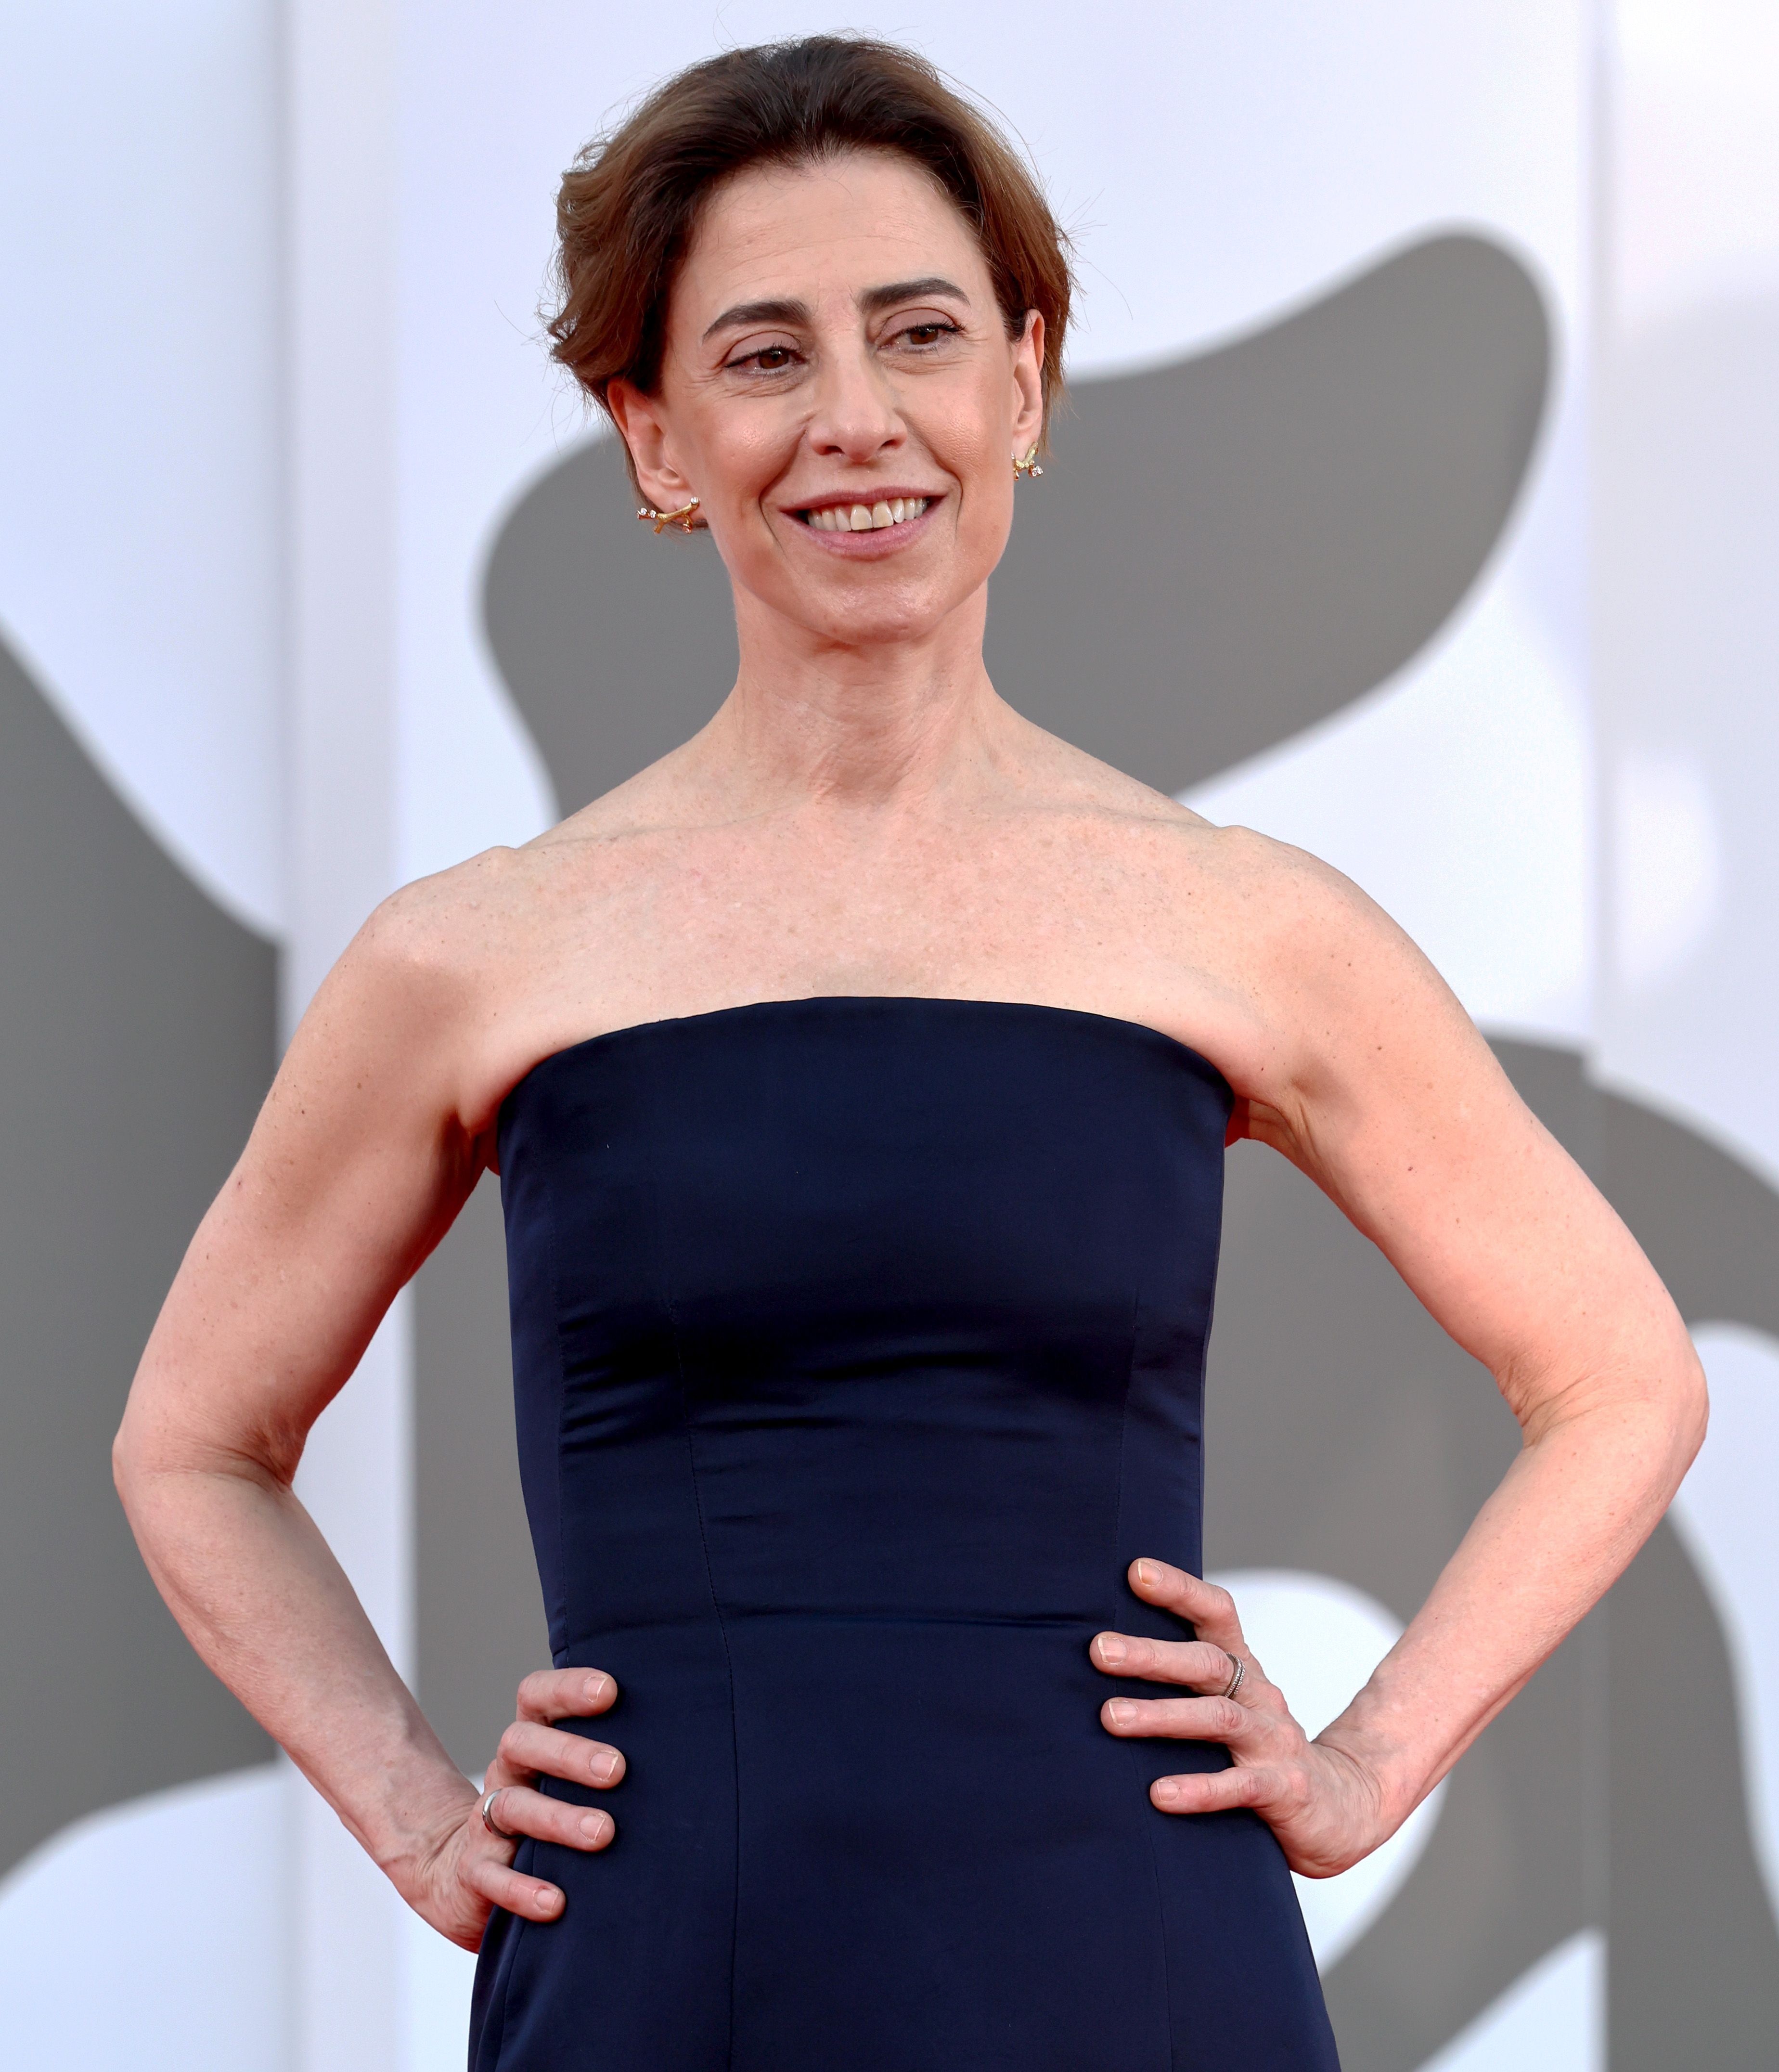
<point x="1029" y="385"/>
<point x="638" y="418"/>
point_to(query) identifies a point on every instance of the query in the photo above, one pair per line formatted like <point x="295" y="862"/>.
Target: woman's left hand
<point x="1324" y="1805"/>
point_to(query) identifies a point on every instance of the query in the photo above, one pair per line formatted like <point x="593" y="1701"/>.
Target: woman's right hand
<point x="469" y="1872"/>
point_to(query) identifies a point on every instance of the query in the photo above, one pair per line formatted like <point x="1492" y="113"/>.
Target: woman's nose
<point x="856" y="417"/>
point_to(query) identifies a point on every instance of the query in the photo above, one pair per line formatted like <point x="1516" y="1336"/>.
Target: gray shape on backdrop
<point x="616" y="644"/>
<point x="138" y="1024"/>
<point x="1247" y="540"/>
<point x="1242" y="542"/>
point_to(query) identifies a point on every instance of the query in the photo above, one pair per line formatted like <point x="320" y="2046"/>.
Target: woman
<point x="858" y="1078"/>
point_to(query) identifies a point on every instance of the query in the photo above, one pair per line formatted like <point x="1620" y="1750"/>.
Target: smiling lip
<point x="852" y="524"/>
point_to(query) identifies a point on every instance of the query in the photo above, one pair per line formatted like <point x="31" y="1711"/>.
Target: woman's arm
<point x="355" y="1168"/>
<point x="1366" y="1073"/>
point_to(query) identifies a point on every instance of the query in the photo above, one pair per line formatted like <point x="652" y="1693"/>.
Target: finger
<point x="566" y="1694"/>
<point x="529" y="1897"/>
<point x="1211" y="1609"/>
<point x="517" y="1809"/>
<point x="1179" y="1719"/>
<point x="1200" y="1663"/>
<point x="529" y="1750"/>
<point x="1212" y="1791"/>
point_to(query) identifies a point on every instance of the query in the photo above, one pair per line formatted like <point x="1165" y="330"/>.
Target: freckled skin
<point x="865" y="815"/>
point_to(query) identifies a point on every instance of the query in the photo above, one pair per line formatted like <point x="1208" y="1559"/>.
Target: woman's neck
<point x="896" y="723"/>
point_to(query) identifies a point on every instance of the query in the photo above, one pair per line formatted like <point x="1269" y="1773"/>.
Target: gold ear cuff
<point x="1028" y="466"/>
<point x="682" y="517"/>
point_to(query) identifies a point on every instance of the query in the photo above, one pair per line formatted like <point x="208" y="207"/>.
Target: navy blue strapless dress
<point x="858" y="1347"/>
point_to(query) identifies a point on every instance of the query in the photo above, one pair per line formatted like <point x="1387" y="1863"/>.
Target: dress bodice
<point x="858" y="1347"/>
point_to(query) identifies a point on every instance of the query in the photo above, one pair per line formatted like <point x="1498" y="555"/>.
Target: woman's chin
<point x="878" y="622"/>
<point x="862" y="605"/>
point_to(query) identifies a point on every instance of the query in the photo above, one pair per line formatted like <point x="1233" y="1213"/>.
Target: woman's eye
<point x="769" y="360"/>
<point x="928" y="333"/>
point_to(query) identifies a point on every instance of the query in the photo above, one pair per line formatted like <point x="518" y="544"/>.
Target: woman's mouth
<point x="865" y="517"/>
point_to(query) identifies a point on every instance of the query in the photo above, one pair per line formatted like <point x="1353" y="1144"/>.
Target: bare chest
<point x="674" y="928"/>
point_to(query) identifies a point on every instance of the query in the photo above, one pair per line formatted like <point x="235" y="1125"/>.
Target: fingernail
<point x="605" y="1768"/>
<point x="1167" y="1788"/>
<point x="597" y="1687"/>
<point x="1143" y="1575"/>
<point x="1123" y="1712"/>
<point x="593" y="1826"/>
<point x="1112" y="1648"/>
<point x="549" y="1901"/>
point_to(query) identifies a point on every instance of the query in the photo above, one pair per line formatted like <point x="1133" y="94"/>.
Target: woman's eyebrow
<point x="774" y="311"/>
<point x="778" y="310"/>
<point x="873" y="299"/>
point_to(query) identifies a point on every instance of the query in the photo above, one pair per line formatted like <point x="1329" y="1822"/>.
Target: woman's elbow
<point x="151" y="1444"/>
<point x="130" y="1466"/>
<point x="1690" y="1406"/>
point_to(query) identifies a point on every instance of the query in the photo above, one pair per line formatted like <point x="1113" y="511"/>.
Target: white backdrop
<point x="257" y="448"/>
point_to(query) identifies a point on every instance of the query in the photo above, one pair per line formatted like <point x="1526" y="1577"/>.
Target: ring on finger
<point x="489" y="1821"/>
<point x="1237" y="1669"/>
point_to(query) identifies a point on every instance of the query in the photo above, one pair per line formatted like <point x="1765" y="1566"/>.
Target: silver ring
<point x="1238" y="1671"/>
<point x="488" y="1820"/>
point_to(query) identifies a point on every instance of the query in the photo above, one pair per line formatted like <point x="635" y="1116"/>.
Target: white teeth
<point x="898" y="509"/>
<point x="881" y="516"/>
<point x="861" y="518"/>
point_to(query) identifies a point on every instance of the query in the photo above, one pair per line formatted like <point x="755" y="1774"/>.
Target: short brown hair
<point x="629" y="204"/>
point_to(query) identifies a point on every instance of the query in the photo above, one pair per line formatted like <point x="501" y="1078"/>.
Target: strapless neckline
<point x="741" y="1010"/>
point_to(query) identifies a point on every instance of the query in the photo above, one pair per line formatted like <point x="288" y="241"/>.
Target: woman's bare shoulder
<point x="1184" y="852"/>
<point x="502" y="906"/>
<point x="446" y="928"/>
<point x="439" y="979"/>
<point x="1277" y="960"/>
<point x="1340" y="1006"/>
<point x="1274" y="889"/>
<point x="1067" y="779"/>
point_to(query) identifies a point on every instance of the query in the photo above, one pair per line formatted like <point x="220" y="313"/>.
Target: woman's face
<point x="835" y="356"/>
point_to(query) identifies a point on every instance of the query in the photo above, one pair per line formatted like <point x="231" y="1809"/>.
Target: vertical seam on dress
<point x="497" y="2019"/>
<point x="716" y="1606"/>
<point x="1211" y="1322"/>
<point x="1148" y="1831"/>
<point x="508" y="1959"/>
<point x="562" y="1605"/>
